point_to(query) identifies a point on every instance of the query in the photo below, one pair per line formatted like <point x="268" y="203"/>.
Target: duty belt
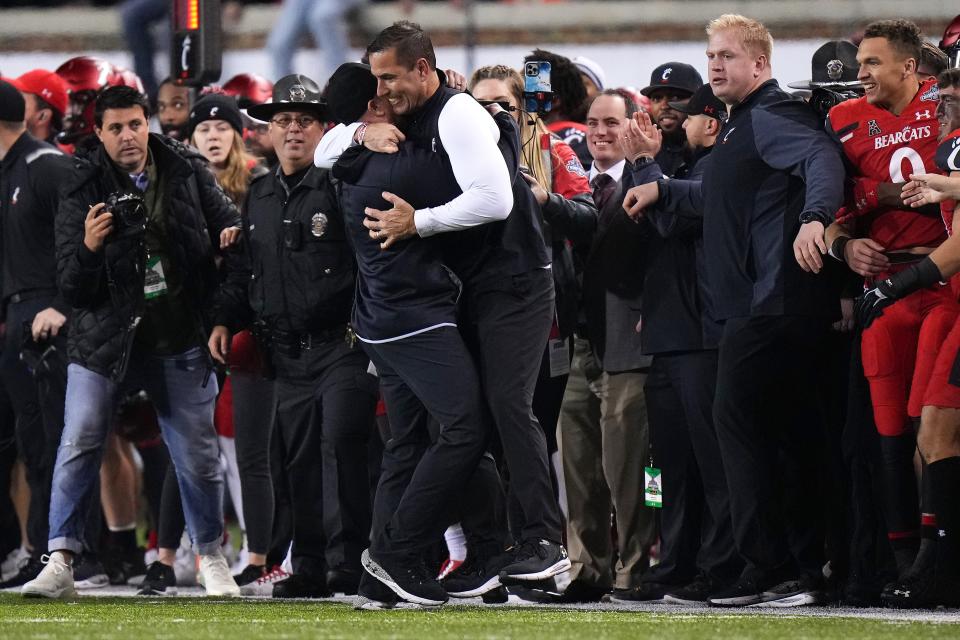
<point x="308" y="340"/>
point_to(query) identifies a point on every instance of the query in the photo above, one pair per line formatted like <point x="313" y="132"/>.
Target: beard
<point x="175" y="131"/>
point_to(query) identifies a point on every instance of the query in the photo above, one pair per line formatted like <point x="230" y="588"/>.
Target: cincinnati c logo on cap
<point x="666" y="74"/>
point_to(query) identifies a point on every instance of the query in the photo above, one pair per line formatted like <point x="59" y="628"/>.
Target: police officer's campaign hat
<point x="674" y="75"/>
<point x="833" y="65"/>
<point x="702" y="102"/>
<point x="295" y="92"/>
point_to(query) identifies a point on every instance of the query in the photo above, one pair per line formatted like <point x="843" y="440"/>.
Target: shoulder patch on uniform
<point x="39" y="153"/>
<point x="931" y="95"/>
<point x="575" y="167"/>
<point x="948" y="155"/>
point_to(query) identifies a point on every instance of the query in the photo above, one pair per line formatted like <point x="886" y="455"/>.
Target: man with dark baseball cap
<point x="671" y="82"/>
<point x="702" y="103"/>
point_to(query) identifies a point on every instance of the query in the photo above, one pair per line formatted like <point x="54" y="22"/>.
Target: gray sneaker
<point x="55" y="581"/>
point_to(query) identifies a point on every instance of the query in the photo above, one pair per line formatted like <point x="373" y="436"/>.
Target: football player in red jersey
<point x="939" y="435"/>
<point x="887" y="135"/>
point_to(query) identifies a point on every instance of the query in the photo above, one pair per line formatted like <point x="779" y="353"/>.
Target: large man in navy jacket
<point x="773" y="176"/>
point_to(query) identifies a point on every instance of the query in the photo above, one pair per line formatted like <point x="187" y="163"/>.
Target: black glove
<point x="871" y="304"/>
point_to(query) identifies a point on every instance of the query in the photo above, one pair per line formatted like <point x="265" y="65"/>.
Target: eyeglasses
<point x="284" y="122"/>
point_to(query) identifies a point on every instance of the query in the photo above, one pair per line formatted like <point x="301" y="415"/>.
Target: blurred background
<point x="628" y="38"/>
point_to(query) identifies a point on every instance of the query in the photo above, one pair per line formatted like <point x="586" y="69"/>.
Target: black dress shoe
<point x="578" y="591"/>
<point x="301" y="586"/>
<point x="343" y="580"/>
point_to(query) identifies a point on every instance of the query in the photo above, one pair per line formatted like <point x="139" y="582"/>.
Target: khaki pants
<point x="603" y="441"/>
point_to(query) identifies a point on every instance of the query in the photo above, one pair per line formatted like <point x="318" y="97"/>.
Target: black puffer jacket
<point x="106" y="288"/>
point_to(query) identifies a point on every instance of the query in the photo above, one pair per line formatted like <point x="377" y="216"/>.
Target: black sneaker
<point x="924" y="563"/>
<point x="796" y="592"/>
<point x="299" y="585"/>
<point x="697" y="592"/>
<point x="88" y="573"/>
<point x="407" y="577"/>
<point x="122" y="567"/>
<point x="250" y="573"/>
<point x="475" y="577"/>
<point x="343" y="580"/>
<point x="535" y="559"/>
<point x="159" y="581"/>
<point x="926" y="590"/>
<point x="744" y="592"/>
<point x="28" y="571"/>
<point x="644" y="592"/>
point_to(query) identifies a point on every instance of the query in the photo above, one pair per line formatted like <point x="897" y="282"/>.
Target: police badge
<point x="318" y="224"/>
<point x="298" y="93"/>
<point x="834" y="69"/>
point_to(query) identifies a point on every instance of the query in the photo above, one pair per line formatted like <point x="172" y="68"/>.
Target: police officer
<point x="34" y="310"/>
<point x="295" y="280"/>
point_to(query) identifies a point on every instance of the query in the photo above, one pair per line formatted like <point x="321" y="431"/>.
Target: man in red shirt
<point x="939" y="435"/>
<point x="887" y="135"/>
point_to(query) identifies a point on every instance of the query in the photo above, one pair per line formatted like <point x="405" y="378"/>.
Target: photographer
<point x="138" y="267"/>
<point x="33" y="310"/>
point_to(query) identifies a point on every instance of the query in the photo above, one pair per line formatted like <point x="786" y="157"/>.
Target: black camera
<point x="823" y="99"/>
<point x="129" y="211"/>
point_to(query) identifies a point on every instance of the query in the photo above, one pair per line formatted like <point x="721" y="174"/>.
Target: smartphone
<point x="537" y="90"/>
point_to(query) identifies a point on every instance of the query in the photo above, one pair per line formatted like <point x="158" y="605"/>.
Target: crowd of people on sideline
<point x="425" y="336"/>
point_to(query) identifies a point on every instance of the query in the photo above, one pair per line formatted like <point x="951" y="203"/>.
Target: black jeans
<point x="768" y="415"/>
<point x="506" y="323"/>
<point x="429" y="374"/>
<point x="254" y="399"/>
<point x="695" y="533"/>
<point x="324" y="418"/>
<point x="38" y="399"/>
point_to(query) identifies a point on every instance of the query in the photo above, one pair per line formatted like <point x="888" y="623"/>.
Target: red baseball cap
<point x="46" y="85"/>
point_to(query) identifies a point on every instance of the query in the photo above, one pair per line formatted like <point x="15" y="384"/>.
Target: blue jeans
<point x="183" y="391"/>
<point x="325" y="21"/>
<point x="137" y="17"/>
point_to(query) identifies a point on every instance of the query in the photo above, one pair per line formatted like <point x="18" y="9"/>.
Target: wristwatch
<point x="812" y="216"/>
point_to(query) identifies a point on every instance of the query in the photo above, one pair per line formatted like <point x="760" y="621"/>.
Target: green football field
<point x="135" y="619"/>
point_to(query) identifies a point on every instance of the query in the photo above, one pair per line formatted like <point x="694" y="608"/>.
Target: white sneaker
<point x="12" y="563"/>
<point x="264" y="586"/>
<point x="185" y="565"/>
<point x="216" y="576"/>
<point x="54" y="581"/>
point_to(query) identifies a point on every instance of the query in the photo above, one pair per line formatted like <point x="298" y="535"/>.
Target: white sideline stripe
<point x="407" y="335"/>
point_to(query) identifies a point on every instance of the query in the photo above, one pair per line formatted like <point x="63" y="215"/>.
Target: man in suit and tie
<point x="603" y="422"/>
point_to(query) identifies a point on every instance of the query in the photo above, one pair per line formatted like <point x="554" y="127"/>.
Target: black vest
<point x="404" y="289"/>
<point x="507" y="247"/>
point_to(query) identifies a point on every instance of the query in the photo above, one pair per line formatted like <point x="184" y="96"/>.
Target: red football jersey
<point x="569" y="177"/>
<point x="948" y="161"/>
<point x="888" y="148"/>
